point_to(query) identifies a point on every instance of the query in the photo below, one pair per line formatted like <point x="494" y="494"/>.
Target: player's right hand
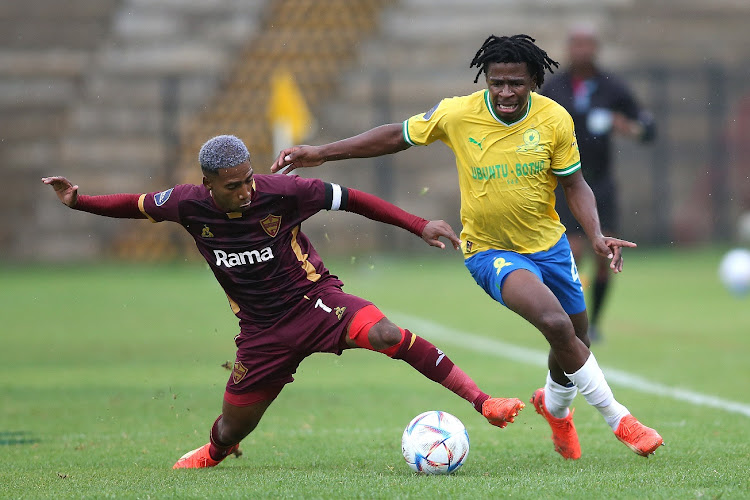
<point x="297" y="157"/>
<point x="67" y="192"/>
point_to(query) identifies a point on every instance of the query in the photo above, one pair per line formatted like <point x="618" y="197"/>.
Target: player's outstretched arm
<point x="377" y="209"/>
<point x="582" y="205"/>
<point x="121" y="206"/>
<point x="382" y="140"/>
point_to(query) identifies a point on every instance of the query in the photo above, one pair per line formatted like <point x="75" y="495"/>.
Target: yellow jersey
<point x="507" y="173"/>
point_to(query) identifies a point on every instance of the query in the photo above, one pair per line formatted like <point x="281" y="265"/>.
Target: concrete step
<point x="42" y="34"/>
<point x="167" y="58"/>
<point x="29" y="153"/>
<point x="200" y="8"/>
<point x="121" y="155"/>
<point x="44" y="62"/>
<point x="117" y="119"/>
<point x="163" y="21"/>
<point x="471" y="28"/>
<point x="36" y="93"/>
<point x="480" y="6"/>
<point x="150" y="90"/>
<point x="69" y="9"/>
<point x="28" y="124"/>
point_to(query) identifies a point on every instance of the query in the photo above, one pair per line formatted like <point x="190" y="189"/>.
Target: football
<point x="734" y="271"/>
<point x="435" y="442"/>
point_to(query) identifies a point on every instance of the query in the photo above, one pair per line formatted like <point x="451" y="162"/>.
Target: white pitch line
<point x="539" y="358"/>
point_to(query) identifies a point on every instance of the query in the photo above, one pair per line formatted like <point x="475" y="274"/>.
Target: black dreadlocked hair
<point x="513" y="49"/>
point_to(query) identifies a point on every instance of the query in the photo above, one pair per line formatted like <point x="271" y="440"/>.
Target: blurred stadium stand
<point x="118" y="95"/>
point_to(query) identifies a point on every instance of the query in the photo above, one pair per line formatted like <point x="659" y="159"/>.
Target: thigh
<point x="270" y="357"/>
<point x="526" y="295"/>
<point x="491" y="268"/>
<point x="560" y="274"/>
<point x="325" y="320"/>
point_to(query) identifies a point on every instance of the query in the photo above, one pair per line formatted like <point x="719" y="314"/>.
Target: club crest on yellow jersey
<point x="531" y="140"/>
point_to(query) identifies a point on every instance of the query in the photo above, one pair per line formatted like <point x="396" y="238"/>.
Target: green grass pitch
<point x="108" y="373"/>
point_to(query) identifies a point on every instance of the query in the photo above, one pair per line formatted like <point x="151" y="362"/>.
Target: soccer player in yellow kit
<point x="512" y="147"/>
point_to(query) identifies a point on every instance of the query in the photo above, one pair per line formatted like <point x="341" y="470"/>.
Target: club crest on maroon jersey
<point x="271" y="224"/>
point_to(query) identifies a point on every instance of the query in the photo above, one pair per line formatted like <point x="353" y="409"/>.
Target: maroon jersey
<point x="262" y="260"/>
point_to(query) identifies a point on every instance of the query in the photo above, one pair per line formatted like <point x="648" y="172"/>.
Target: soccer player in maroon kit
<point x="247" y="227"/>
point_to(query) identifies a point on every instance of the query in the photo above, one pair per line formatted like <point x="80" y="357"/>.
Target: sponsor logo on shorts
<point x="271" y="224"/>
<point x="500" y="263"/>
<point x="242" y="258"/>
<point x="238" y="372"/>
<point x="161" y="198"/>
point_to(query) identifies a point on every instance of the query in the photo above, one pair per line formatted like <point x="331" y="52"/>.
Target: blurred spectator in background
<point x="601" y="105"/>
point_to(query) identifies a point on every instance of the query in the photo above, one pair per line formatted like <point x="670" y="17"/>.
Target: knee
<point x="557" y="329"/>
<point x="384" y="334"/>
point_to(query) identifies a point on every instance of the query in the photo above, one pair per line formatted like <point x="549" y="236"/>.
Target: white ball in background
<point x="734" y="271"/>
<point x="599" y="121"/>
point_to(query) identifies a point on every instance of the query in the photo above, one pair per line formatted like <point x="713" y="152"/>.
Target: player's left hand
<point x="437" y="228"/>
<point x="625" y="126"/>
<point x="611" y="248"/>
<point x="64" y="189"/>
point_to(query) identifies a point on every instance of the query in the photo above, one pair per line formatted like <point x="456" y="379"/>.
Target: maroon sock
<point x="463" y="385"/>
<point x="479" y="401"/>
<point x="424" y="357"/>
<point x="435" y="365"/>
<point x="217" y="449"/>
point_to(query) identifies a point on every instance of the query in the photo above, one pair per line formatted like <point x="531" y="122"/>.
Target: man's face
<point x="510" y="85"/>
<point x="231" y="188"/>
<point x="582" y="49"/>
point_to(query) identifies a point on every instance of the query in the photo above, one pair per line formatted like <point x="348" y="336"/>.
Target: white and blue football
<point x="435" y="442"/>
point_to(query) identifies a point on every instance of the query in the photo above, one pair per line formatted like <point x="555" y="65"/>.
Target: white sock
<point x="557" y="398"/>
<point x="590" y="382"/>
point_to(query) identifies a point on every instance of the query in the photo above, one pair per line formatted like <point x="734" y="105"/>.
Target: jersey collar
<point x="488" y="103"/>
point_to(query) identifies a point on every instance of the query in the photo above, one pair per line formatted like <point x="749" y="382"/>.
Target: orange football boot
<point x="636" y="436"/>
<point x="501" y="411"/>
<point x="199" y="458"/>
<point x="564" y="433"/>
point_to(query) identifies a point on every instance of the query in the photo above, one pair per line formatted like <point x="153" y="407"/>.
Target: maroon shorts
<point x="268" y="358"/>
